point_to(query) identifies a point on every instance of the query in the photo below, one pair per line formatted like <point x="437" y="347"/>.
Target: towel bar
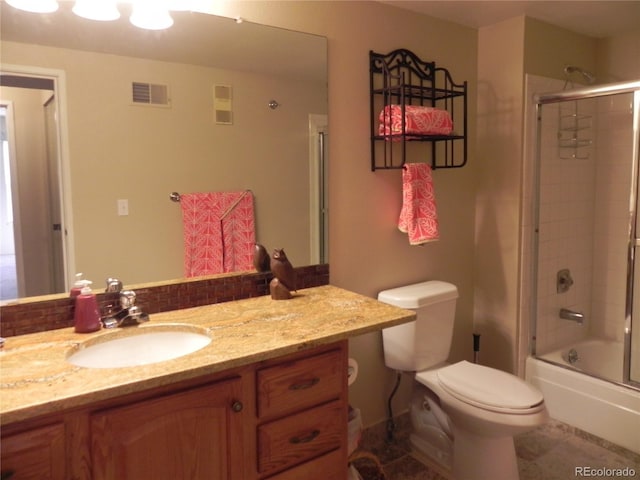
<point x="175" y="196"/>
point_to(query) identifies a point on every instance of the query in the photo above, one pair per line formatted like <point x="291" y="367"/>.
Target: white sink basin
<point x="139" y="346"/>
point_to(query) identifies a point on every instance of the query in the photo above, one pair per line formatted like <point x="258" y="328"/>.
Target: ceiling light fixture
<point x="35" y="6"/>
<point x="180" y="5"/>
<point x="151" y="14"/>
<point x="102" y="10"/>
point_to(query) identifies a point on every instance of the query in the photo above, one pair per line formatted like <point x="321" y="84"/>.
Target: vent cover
<point x="150" y="94"/>
<point x="222" y="104"/>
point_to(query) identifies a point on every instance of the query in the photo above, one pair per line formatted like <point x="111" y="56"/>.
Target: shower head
<point x="586" y="75"/>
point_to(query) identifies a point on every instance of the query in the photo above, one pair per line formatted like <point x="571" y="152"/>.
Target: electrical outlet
<point x="123" y="207"/>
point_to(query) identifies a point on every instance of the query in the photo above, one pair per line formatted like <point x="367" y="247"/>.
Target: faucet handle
<point x="127" y="298"/>
<point x="113" y="285"/>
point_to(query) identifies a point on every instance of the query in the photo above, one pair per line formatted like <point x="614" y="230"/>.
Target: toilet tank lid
<point x="419" y="294"/>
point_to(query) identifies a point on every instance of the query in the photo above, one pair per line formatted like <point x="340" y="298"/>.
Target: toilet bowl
<point x="485" y="407"/>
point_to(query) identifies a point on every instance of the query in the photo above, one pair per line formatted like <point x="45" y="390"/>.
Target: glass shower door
<point x="632" y="335"/>
<point x="587" y="252"/>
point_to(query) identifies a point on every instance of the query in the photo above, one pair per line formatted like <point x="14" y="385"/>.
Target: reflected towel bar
<point x="175" y="196"/>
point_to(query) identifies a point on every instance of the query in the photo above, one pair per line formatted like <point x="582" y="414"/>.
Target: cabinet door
<point x="36" y="454"/>
<point x="196" y="434"/>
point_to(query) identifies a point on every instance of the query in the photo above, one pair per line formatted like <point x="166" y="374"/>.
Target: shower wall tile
<point x="567" y="202"/>
<point x="611" y="216"/>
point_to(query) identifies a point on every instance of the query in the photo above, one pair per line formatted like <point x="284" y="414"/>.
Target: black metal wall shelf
<point x="401" y="78"/>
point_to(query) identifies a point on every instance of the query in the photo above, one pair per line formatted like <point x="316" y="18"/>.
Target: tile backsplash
<point x="50" y="314"/>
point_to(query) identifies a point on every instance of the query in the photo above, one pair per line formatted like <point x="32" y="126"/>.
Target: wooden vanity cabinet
<point x="193" y="434"/>
<point x="279" y="419"/>
<point x="36" y="454"/>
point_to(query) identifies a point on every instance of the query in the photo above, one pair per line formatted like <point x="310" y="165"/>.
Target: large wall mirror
<point x="88" y="171"/>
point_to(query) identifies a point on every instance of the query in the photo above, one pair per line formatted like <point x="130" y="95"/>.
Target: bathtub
<point x="600" y="407"/>
<point x="600" y="358"/>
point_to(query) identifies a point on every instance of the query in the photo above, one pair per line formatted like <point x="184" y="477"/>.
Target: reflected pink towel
<point x="418" y="217"/>
<point x="219" y="232"/>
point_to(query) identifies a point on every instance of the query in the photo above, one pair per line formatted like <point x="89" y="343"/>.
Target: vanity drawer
<point x="295" y="385"/>
<point x="300" y="437"/>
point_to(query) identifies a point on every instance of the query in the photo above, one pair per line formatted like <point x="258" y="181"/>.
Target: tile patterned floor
<point x="551" y="452"/>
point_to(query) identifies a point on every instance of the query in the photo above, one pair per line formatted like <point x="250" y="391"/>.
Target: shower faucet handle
<point x="563" y="280"/>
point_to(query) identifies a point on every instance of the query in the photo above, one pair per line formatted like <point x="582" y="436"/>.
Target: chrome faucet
<point x="128" y="313"/>
<point x="572" y="315"/>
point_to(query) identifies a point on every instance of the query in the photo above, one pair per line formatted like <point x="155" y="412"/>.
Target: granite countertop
<point x="36" y="379"/>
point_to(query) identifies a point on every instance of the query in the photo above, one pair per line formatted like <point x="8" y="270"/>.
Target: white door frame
<point x="318" y="208"/>
<point x="64" y="165"/>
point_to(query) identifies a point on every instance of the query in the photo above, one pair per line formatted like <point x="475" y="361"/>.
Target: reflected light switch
<point x="123" y="207"/>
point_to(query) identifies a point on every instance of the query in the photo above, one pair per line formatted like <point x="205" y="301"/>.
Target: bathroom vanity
<point x="267" y="398"/>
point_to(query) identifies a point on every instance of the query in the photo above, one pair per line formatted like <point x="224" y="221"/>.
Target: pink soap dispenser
<point x="78" y="286"/>
<point x="87" y="314"/>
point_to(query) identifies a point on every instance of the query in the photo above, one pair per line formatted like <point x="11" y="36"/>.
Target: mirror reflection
<point x="88" y="169"/>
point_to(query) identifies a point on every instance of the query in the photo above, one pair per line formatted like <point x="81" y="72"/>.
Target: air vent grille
<point x="223" y="104"/>
<point x="150" y="94"/>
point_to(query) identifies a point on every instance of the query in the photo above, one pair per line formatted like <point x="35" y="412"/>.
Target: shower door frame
<point x="632" y="87"/>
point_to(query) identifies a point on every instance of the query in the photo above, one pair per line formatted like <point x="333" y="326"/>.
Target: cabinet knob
<point x="237" y="406"/>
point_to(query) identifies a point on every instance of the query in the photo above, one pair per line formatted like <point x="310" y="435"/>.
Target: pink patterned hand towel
<point x="219" y="232"/>
<point x="418" y="120"/>
<point x="418" y="217"/>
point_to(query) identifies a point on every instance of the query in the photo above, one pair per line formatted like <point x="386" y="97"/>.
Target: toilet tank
<point x="425" y="342"/>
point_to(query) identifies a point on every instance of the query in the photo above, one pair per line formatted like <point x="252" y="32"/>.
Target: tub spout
<point x="567" y="314"/>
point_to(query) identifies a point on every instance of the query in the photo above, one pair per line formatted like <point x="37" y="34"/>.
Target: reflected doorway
<point x="318" y="187"/>
<point x="32" y="242"/>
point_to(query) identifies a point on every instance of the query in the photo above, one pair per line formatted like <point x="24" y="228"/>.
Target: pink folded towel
<point x="418" y="217"/>
<point x="219" y="232"/>
<point x="419" y="120"/>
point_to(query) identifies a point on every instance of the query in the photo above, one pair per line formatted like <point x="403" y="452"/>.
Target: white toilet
<point x="485" y="407"/>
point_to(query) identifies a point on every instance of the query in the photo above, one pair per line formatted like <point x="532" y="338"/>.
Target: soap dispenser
<point x="78" y="286"/>
<point x="86" y="316"/>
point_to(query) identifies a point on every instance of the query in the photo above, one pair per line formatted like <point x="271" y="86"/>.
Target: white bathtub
<point x="600" y="358"/>
<point x="596" y="406"/>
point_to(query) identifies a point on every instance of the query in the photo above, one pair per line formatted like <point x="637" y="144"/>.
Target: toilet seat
<point x="489" y="389"/>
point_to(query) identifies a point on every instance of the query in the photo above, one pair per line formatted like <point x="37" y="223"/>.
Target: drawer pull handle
<point x="237" y="406"/>
<point x="306" y="438"/>
<point x="304" y="385"/>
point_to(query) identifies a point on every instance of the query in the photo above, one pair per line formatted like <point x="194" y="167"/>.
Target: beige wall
<point x="548" y="49"/>
<point x="508" y="51"/>
<point x="618" y="57"/>
<point x="500" y="65"/>
<point x="367" y="252"/>
<point x="142" y="153"/>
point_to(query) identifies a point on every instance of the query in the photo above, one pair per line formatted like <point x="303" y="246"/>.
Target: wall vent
<point x="150" y="94"/>
<point x="222" y="104"/>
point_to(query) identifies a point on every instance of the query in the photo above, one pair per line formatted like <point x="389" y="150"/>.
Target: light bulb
<point x="35" y="6"/>
<point x="102" y="10"/>
<point x="151" y="14"/>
